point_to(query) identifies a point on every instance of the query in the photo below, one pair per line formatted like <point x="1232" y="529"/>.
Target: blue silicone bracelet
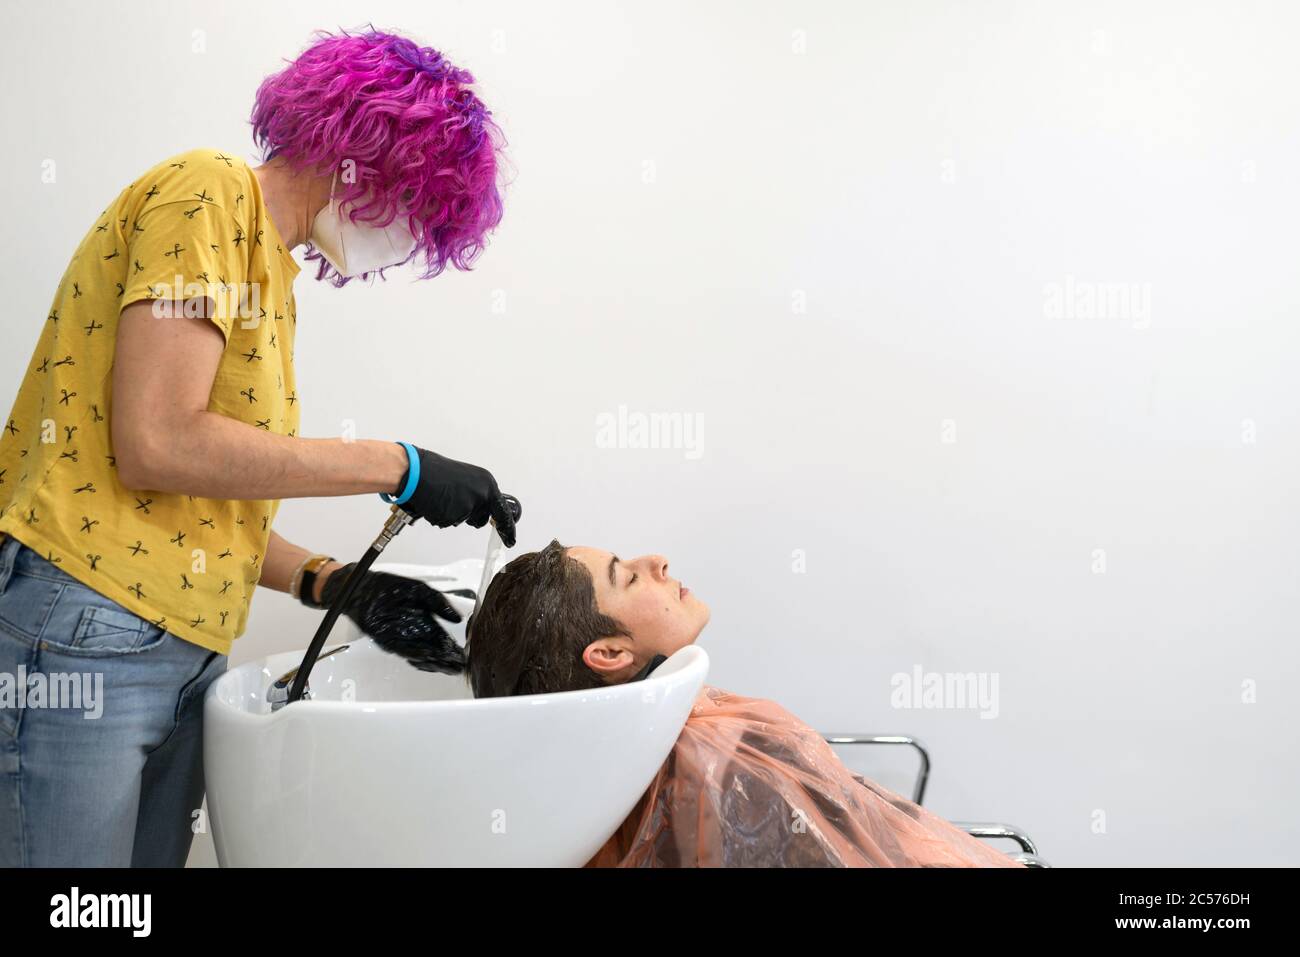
<point x="412" y="477"/>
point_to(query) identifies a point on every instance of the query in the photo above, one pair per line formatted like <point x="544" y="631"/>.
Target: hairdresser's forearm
<point x="209" y="455"/>
<point x="283" y="559"/>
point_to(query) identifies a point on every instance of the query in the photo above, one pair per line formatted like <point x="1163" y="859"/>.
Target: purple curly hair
<point x="416" y="133"/>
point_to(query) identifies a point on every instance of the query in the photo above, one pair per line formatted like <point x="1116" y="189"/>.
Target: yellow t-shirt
<point x="194" y="224"/>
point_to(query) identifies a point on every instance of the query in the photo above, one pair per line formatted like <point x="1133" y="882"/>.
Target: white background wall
<point x="920" y="173"/>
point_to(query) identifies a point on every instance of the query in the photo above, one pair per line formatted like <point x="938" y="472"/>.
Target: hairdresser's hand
<point x="450" y="492"/>
<point x="401" y="615"/>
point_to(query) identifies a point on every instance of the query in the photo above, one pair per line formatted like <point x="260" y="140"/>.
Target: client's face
<point x="661" y="614"/>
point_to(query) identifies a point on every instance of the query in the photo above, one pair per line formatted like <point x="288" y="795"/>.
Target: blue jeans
<point x="105" y="768"/>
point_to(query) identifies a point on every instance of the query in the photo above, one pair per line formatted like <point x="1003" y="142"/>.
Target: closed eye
<point x="612" y="580"/>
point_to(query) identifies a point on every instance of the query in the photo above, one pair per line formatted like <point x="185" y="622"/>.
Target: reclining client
<point x="747" y="784"/>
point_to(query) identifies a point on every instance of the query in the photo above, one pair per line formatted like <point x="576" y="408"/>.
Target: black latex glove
<point x="451" y="492"/>
<point x="401" y="615"/>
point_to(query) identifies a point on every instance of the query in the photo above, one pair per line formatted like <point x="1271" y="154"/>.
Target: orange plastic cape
<point x="750" y="785"/>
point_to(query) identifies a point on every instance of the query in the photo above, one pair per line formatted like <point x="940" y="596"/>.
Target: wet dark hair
<point x="538" y="616"/>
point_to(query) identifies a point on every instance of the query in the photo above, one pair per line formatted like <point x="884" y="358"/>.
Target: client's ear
<point x="609" y="658"/>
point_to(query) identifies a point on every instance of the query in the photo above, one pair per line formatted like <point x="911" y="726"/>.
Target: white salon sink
<point x="387" y="765"/>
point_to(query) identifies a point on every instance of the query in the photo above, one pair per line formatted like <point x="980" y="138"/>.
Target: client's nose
<point x="658" y="566"/>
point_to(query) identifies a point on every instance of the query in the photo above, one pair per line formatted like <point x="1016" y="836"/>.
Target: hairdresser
<point x="155" y="432"/>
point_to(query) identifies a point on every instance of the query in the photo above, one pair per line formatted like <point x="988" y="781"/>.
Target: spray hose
<point x="397" y="520"/>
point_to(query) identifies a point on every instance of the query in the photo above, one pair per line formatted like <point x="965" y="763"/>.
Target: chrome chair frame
<point x="1028" y="853"/>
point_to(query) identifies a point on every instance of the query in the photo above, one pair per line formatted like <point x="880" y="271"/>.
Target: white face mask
<point x="356" y="248"/>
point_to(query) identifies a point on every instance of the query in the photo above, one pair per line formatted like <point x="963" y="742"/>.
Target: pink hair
<point x="407" y="119"/>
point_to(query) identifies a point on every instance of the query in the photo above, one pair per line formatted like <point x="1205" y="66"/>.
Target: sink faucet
<point x="278" y="694"/>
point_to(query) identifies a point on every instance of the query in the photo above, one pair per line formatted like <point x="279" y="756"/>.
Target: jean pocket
<point x="104" y="629"/>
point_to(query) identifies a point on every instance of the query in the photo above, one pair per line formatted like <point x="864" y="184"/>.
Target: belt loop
<point x="7" y="550"/>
